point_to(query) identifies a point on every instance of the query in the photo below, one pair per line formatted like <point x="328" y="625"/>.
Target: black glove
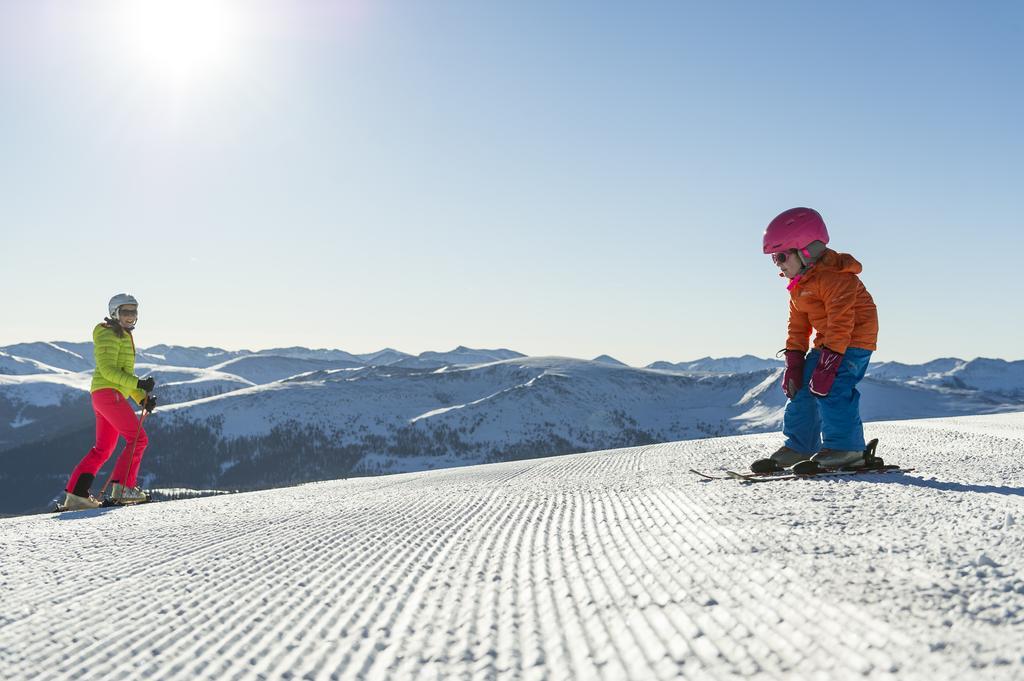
<point x="147" y="384"/>
<point x="149" y="404"/>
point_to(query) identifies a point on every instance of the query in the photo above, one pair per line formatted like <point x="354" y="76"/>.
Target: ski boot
<point x="782" y="459"/>
<point x="73" y="502"/>
<point x="839" y="460"/>
<point x="123" y="495"/>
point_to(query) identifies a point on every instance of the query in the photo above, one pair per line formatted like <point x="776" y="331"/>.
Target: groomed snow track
<point x="607" y="565"/>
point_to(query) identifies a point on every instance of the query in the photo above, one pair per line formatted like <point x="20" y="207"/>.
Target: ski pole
<point x="131" y="457"/>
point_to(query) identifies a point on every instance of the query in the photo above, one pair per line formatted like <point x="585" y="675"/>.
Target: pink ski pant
<point x="114" y="416"/>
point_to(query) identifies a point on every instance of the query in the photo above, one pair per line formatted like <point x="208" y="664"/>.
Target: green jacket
<point x="115" y="363"/>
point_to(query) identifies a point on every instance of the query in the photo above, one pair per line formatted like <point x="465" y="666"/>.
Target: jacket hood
<point x="838" y="262"/>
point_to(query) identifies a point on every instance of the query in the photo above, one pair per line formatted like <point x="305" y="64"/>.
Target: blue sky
<point x="557" y="178"/>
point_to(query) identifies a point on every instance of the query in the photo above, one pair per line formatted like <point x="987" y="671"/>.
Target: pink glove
<point x="825" y="373"/>
<point x="793" y="379"/>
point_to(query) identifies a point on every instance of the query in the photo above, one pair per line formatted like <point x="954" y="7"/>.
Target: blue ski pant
<point x="832" y="422"/>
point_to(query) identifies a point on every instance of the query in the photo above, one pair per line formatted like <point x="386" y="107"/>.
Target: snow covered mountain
<point x="184" y="384"/>
<point x="262" y="420"/>
<point x="79" y="357"/>
<point x="900" y="371"/>
<point x="608" y="359"/>
<point x="394" y="418"/>
<point x="460" y="356"/>
<point x="57" y="355"/>
<point x="723" y="365"/>
<point x="37" y="406"/>
<point x="385" y="356"/>
<point x="175" y="355"/>
<point x="606" y="565"/>
<point x="321" y="354"/>
<point x="11" y="365"/>
<point x="995" y="376"/>
<point x="267" y="368"/>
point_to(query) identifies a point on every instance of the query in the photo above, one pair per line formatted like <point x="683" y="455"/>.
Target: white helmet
<point x="119" y="300"/>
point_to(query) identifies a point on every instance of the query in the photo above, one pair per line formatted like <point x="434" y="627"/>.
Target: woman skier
<point x="822" y="418"/>
<point x="113" y="382"/>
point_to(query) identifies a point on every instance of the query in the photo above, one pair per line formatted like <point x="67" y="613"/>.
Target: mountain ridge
<point x="289" y="419"/>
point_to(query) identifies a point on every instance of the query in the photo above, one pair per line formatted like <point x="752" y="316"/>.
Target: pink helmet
<point x="794" y="228"/>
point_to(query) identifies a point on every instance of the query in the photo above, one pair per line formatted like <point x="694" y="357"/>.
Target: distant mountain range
<point x="723" y="365"/>
<point x="240" y="419"/>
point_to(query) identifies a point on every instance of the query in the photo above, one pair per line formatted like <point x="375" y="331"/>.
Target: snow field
<point x="606" y="565"/>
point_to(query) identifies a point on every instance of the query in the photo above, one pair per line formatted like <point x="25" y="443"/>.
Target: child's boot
<point x="837" y="458"/>
<point x="783" y="458"/>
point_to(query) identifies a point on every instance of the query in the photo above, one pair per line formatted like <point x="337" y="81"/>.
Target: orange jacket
<point x="831" y="299"/>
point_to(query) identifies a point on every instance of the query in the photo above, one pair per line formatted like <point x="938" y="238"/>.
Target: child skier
<point x="113" y="383"/>
<point x="822" y="418"/>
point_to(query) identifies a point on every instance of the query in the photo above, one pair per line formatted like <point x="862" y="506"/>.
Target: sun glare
<point x="179" y="41"/>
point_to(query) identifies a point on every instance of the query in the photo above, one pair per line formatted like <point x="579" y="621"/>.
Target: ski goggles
<point x="127" y="313"/>
<point x="780" y="258"/>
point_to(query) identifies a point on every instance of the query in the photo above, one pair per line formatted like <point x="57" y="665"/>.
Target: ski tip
<point x="763" y="466"/>
<point x="704" y="476"/>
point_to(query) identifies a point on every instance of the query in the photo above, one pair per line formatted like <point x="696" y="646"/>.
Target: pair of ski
<point x="788" y="475"/>
<point x="872" y="464"/>
<point x="107" y="503"/>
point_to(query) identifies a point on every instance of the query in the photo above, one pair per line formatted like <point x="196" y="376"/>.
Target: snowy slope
<point x="13" y="365"/>
<point x="396" y="416"/>
<point x="38" y="405"/>
<point x="43" y="390"/>
<point x="218" y="430"/>
<point x="994" y="375"/>
<point x="266" y="368"/>
<point x="606" y="565"/>
<point x="184" y="384"/>
<point x="493" y="401"/>
<point x="51" y="354"/>
<point x="989" y="375"/>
